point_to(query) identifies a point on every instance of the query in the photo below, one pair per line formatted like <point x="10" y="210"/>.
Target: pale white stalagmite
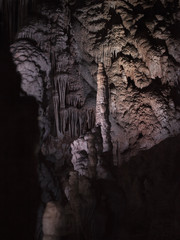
<point x="102" y="108"/>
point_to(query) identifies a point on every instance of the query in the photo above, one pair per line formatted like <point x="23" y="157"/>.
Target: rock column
<point x="102" y="108"/>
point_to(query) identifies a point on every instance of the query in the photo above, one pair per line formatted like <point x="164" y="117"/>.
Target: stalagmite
<point x="102" y="108"/>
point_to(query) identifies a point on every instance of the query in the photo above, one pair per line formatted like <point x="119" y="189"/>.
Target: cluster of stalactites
<point x="107" y="54"/>
<point x="63" y="93"/>
<point x="112" y="4"/>
<point x="14" y="13"/>
<point x="73" y="122"/>
<point x="69" y="117"/>
<point x="60" y="85"/>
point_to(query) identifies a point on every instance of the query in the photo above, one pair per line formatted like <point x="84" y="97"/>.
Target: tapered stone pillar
<point x="102" y="108"/>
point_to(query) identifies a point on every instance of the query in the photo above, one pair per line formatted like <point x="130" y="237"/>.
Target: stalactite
<point x="63" y="120"/>
<point x="112" y="4"/>
<point x="62" y="92"/>
<point x="28" y="35"/>
<point x="107" y="54"/>
<point x="56" y="111"/>
<point x="53" y="67"/>
<point x="60" y="83"/>
<point x="75" y="101"/>
<point x="81" y="123"/>
<point x="70" y="126"/>
<point x="73" y="121"/>
<point x="74" y="118"/>
<point x="90" y="118"/>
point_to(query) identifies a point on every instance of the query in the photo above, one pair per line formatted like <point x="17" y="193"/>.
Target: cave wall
<point x="86" y="173"/>
<point x="57" y="56"/>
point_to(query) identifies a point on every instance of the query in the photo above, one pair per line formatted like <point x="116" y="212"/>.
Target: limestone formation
<point x="106" y="77"/>
<point x="140" y="58"/>
<point x="102" y="108"/>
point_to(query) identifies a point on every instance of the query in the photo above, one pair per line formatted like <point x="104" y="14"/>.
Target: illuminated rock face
<point x="139" y="48"/>
<point x="113" y="65"/>
<point x="137" y="43"/>
<point x="102" y="108"/>
<point x="45" y="55"/>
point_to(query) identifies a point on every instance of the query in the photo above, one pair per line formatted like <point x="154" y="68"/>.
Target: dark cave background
<point x="157" y="170"/>
<point x="20" y="193"/>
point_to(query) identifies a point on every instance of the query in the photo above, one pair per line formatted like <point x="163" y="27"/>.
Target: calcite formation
<point x="139" y="48"/>
<point x="102" y="108"/>
<point x="106" y="77"/>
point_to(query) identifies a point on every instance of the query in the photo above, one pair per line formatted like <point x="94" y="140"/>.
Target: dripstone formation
<point x="106" y="76"/>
